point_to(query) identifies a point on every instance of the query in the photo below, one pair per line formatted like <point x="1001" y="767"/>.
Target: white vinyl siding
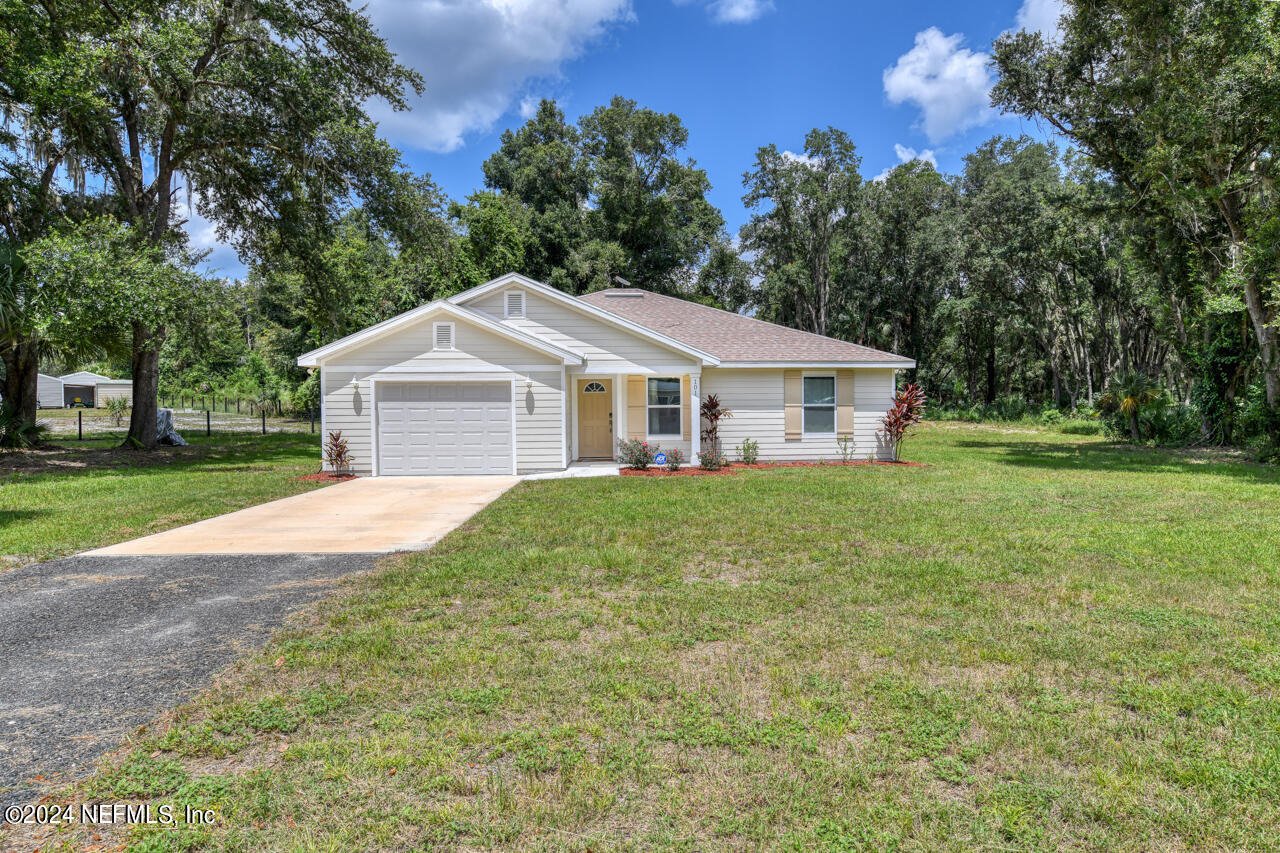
<point x="756" y="398"/>
<point x="112" y="390"/>
<point x="48" y="392"/>
<point x="478" y="355"/>
<point x="607" y="349"/>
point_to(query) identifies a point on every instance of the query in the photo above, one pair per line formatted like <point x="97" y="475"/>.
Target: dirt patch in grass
<point x="49" y="458"/>
<point x="734" y="467"/>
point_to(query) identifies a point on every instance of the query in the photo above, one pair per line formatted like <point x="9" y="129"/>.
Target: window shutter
<point x="637" y="413"/>
<point x="685" y="421"/>
<point x="515" y="303"/>
<point x="792" y="404"/>
<point x="444" y="336"/>
<point x="844" y="403"/>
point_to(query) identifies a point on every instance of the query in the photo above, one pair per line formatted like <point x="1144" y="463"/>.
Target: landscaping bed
<point x="734" y="467"/>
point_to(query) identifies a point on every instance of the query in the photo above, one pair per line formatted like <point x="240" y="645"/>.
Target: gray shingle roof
<point x="728" y="336"/>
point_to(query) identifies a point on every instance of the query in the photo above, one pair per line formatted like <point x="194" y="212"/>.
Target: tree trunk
<point x="1269" y="353"/>
<point x="146" y="386"/>
<point x="1133" y="427"/>
<point x="21" y="384"/>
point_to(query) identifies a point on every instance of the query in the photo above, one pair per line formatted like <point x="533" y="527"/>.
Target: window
<point x="593" y="388"/>
<point x="515" y="303"/>
<point x="442" y="334"/>
<point x="664" y="407"/>
<point x="819" y="405"/>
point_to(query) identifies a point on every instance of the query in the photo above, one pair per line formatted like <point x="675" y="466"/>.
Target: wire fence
<point x="83" y="424"/>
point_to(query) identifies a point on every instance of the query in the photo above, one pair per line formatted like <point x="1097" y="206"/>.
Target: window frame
<point x="506" y="303"/>
<point x="435" y="337"/>
<point x="833" y="405"/>
<point x="678" y="435"/>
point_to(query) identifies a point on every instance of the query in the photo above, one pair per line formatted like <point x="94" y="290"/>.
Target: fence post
<point x="208" y="430"/>
<point x="80" y="424"/>
<point x="264" y="420"/>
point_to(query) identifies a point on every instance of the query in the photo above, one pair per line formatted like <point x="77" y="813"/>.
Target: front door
<point x="595" y="419"/>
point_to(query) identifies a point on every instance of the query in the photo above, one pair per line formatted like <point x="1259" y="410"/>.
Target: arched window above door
<point x="593" y="388"/>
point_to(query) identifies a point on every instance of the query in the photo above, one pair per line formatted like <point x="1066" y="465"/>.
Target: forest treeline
<point x="1131" y="261"/>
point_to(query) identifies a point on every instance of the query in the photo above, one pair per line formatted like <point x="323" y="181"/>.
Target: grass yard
<point x="1039" y="642"/>
<point x="85" y="495"/>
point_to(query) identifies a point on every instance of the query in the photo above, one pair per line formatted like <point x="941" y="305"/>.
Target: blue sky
<point x="904" y="79"/>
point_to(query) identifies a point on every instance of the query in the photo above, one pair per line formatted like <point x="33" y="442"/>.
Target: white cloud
<point x="1042" y="16"/>
<point x="478" y="57"/>
<point x="799" y="158"/>
<point x="738" y="11"/>
<point x="906" y="155"/>
<point x="529" y="106"/>
<point x="203" y="237"/>
<point x="949" y="83"/>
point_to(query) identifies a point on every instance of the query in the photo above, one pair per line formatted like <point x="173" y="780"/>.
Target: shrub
<point x="117" y="407"/>
<point x="712" y="414"/>
<point x="675" y="458"/>
<point x="1128" y="393"/>
<point x="336" y="452"/>
<point x="749" y="450"/>
<point x="847" y="447"/>
<point x="710" y="460"/>
<point x="636" y="453"/>
<point x="906" y="412"/>
<point x="1051" y="417"/>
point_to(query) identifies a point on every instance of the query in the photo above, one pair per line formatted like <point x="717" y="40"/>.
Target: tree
<point x="647" y="200"/>
<point x="542" y="166"/>
<point x="610" y="197"/>
<point x="1180" y="103"/>
<point x="804" y="202"/>
<point x="260" y="106"/>
<point x="1127" y="393"/>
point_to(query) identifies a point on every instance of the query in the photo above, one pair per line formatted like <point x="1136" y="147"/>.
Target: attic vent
<point x="443" y="335"/>
<point x="515" y="303"/>
<point x="623" y="294"/>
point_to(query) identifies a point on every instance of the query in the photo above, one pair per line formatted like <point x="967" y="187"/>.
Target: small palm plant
<point x="1127" y="393"/>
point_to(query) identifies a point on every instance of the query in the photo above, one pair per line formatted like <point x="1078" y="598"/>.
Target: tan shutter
<point x="685" y="420"/>
<point x="844" y="403"/>
<point x="637" y="419"/>
<point x="793" y="404"/>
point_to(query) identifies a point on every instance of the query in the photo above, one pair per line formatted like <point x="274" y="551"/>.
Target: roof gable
<point x="736" y="338"/>
<point x="576" y="304"/>
<point x="439" y="307"/>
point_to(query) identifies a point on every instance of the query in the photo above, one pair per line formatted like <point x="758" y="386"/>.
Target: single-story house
<point x="48" y="392"/>
<point x="514" y="376"/>
<point x="80" y="388"/>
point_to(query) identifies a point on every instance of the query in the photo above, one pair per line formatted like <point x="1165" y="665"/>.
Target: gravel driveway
<point x="92" y="647"/>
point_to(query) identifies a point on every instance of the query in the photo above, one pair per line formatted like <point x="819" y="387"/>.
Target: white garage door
<point x="444" y="428"/>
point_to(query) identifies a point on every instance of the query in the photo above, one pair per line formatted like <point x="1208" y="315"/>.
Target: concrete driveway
<point x="96" y="644"/>
<point x="369" y="515"/>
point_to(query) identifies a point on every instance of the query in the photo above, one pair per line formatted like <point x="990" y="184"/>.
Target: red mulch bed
<point x="326" y="477"/>
<point x="734" y="467"/>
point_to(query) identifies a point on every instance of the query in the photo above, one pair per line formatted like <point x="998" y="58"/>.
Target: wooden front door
<point x="595" y="419"/>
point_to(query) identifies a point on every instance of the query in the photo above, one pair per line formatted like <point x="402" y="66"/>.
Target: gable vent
<point x="515" y="303"/>
<point x="443" y="336"/>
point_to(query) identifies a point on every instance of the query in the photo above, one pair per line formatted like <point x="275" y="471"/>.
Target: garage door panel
<point x="444" y="428"/>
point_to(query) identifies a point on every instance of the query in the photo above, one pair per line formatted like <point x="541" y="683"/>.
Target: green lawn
<point x="1037" y="642"/>
<point x="54" y="503"/>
